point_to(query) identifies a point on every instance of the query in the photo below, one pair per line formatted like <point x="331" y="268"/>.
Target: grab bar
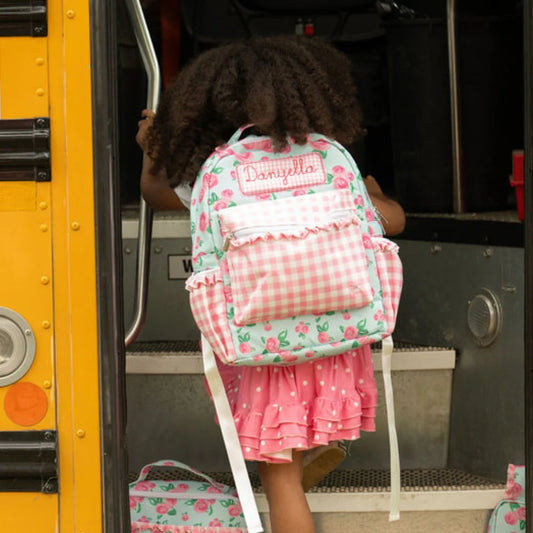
<point x="149" y="59"/>
<point x="458" y="193"/>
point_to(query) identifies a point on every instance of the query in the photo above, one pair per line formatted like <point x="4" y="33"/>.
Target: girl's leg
<point x="289" y="510"/>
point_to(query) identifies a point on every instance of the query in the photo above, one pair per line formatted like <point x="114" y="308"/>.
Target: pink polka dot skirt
<point x="281" y="408"/>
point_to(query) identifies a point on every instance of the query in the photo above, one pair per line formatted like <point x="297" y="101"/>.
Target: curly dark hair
<point x="285" y="86"/>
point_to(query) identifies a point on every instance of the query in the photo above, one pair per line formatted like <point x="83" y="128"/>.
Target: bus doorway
<point x="434" y="115"/>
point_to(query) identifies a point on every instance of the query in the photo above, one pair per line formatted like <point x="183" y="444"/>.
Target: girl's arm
<point x="156" y="191"/>
<point x="392" y="214"/>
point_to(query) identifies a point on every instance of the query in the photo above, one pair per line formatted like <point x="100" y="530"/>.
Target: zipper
<point x="247" y="231"/>
<point x="180" y="495"/>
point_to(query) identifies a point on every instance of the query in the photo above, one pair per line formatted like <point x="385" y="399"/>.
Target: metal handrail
<point x="458" y="192"/>
<point x="149" y="59"/>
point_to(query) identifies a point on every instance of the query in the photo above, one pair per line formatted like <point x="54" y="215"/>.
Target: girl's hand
<point x="145" y="123"/>
<point x="392" y="214"/>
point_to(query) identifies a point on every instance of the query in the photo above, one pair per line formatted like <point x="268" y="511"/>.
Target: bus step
<point x="446" y="500"/>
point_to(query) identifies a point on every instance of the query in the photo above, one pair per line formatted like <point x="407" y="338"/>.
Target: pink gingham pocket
<point x="390" y="272"/>
<point x="283" y="271"/>
<point x="208" y="306"/>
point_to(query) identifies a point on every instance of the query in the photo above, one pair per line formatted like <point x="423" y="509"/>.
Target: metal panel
<point x="488" y="398"/>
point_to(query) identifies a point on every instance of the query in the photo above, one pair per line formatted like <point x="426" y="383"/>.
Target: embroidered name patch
<point x="299" y="171"/>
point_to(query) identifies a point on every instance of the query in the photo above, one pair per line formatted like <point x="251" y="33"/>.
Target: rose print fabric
<point x="509" y="516"/>
<point x="183" y="506"/>
<point x="279" y="408"/>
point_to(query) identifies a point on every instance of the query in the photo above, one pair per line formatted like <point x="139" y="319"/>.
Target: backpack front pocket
<point x="282" y="271"/>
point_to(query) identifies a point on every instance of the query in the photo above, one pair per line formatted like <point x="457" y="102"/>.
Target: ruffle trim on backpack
<point x="380" y="244"/>
<point x="266" y="234"/>
<point x="296" y="426"/>
<point x="207" y="277"/>
<point x="141" y="527"/>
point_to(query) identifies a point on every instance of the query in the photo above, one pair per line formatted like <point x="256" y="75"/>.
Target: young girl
<point x="285" y="87"/>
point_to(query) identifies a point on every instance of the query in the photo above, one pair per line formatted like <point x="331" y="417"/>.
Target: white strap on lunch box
<point x="386" y="361"/>
<point x="231" y="440"/>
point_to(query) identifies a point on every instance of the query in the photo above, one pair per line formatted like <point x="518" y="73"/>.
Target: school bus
<point x="76" y="255"/>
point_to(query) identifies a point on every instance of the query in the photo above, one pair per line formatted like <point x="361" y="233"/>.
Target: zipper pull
<point x="227" y="242"/>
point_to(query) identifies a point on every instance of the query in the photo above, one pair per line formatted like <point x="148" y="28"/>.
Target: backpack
<point x="509" y="516"/>
<point x="183" y="506"/>
<point x="289" y="259"/>
<point x="290" y="264"/>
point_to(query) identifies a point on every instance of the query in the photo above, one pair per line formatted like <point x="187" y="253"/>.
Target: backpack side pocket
<point x="208" y="305"/>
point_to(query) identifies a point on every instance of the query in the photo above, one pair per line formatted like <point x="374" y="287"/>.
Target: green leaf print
<point x="155" y="501"/>
<point x="230" y="313"/>
<point x="330" y="313"/>
<point x="282" y="335"/>
<point x="172" y="512"/>
<point x="323" y="327"/>
<point x="522" y="525"/>
<point x="217" y="170"/>
<point x="355" y="344"/>
<point x="226" y="503"/>
<point x="190" y="502"/>
<point x="245" y="337"/>
<point x="361" y="327"/>
<point x="276" y="359"/>
<point x="213" y="198"/>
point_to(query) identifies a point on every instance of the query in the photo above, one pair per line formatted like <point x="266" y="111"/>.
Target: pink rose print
<point x="296" y="348"/>
<point x="234" y="510"/>
<point x="185" y="517"/>
<point x="511" y="518"/>
<point x="182" y="487"/>
<point x="309" y="353"/>
<point x="244" y="347"/>
<point x="144" y="485"/>
<point x="247" y="157"/>
<point x="340" y="183"/>
<point x="323" y="337"/>
<point x="521" y="513"/>
<point x="335" y="344"/>
<point x="143" y="519"/>
<point x="346" y="316"/>
<point x="212" y="489"/>
<point x="272" y="344"/>
<point x="367" y="241"/>
<point x="201" y="506"/>
<point x="350" y="333"/>
<point x="288" y="357"/>
<point x="204" y="221"/>
<point x="221" y="204"/>
<point x="341" y="172"/>
<point x="319" y="145"/>
<point x="227" y="194"/>
<point x="359" y="200"/>
<point x="164" y="508"/>
<point x="513" y="490"/>
<point x="134" y="500"/>
<point x="268" y="326"/>
<point x="265" y="145"/>
<point x="258" y="358"/>
<point x="223" y="150"/>
<point x="202" y="194"/>
<point x="215" y="523"/>
<point x="379" y="316"/>
<point x="302" y="328"/>
<point x="299" y="192"/>
<point x="369" y="214"/>
<point x="210" y="179"/>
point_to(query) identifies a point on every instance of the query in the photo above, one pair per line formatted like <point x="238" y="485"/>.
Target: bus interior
<point x="445" y="137"/>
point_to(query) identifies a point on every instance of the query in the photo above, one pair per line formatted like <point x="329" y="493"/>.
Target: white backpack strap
<point x="231" y="440"/>
<point x="237" y="135"/>
<point x="386" y="361"/>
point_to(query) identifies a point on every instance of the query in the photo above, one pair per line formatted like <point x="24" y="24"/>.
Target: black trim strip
<point x="29" y="461"/>
<point x="111" y="350"/>
<point x="483" y="232"/>
<point x="25" y="149"/>
<point x="23" y="18"/>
